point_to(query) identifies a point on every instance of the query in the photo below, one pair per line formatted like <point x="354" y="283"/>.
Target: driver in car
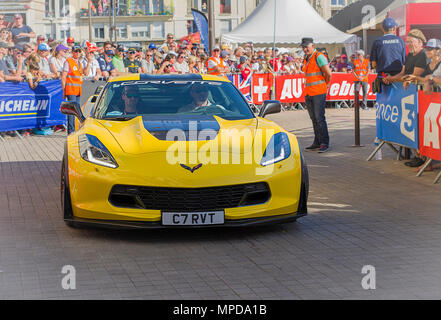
<point x="199" y="94"/>
<point x="130" y="96"/>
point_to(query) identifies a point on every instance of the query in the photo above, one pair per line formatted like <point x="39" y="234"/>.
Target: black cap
<point x="306" y="42"/>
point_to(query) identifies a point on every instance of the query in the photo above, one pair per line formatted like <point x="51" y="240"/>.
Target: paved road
<point x="375" y="213"/>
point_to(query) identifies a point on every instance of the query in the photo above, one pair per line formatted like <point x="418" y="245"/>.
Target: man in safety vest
<point x="318" y="76"/>
<point x="72" y="80"/>
<point x="216" y="66"/>
<point x="361" y="73"/>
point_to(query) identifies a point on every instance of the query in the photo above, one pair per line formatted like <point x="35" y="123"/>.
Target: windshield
<point x="126" y="100"/>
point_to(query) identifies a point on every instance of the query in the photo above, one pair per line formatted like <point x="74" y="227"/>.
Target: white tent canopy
<point x="295" y="19"/>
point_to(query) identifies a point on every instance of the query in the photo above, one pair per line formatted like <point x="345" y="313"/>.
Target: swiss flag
<point x="261" y="87"/>
<point x="91" y="46"/>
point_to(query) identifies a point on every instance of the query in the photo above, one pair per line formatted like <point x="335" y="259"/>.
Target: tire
<point x="66" y="204"/>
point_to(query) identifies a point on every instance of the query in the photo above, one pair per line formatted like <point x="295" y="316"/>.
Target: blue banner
<point x="23" y="108"/>
<point x="201" y="22"/>
<point x="397" y="115"/>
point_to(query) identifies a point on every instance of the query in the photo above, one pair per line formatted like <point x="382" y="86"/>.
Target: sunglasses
<point x="77" y="51"/>
<point x="130" y="95"/>
<point x="132" y="52"/>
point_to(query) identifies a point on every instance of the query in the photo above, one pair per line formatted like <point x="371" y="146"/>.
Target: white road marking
<point x="335" y="205"/>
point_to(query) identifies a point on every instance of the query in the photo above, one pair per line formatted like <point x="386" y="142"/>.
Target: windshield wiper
<point x="119" y="118"/>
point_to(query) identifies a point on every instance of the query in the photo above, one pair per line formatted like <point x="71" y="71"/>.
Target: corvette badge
<point x="192" y="170"/>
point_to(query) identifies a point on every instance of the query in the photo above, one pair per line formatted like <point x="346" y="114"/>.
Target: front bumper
<point x="157" y="225"/>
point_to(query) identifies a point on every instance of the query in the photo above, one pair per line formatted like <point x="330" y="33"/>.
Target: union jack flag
<point x="244" y="85"/>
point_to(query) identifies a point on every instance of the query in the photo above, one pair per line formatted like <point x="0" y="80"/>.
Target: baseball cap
<point x="344" y="56"/>
<point x="43" y="47"/>
<point x="76" y="47"/>
<point x="389" y="23"/>
<point x="360" y="52"/>
<point x="243" y="59"/>
<point x="433" y="43"/>
<point x="61" y="47"/>
<point x="152" y="46"/>
<point x="70" y="40"/>
<point x="132" y="50"/>
<point x="306" y="42"/>
<point x="224" y="53"/>
<point x="216" y="48"/>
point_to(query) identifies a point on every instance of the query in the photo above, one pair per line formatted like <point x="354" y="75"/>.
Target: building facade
<point x="136" y="21"/>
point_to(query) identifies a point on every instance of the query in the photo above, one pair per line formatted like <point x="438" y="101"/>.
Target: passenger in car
<point x="199" y="93"/>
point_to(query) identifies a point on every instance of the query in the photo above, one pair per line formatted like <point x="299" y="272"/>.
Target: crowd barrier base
<point x="400" y="157"/>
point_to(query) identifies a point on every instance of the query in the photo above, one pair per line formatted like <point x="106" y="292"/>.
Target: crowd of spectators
<point x="421" y="65"/>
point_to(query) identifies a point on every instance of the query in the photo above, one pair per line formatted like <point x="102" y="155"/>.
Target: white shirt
<point x="58" y="63"/>
<point x="182" y="67"/>
<point x="94" y="66"/>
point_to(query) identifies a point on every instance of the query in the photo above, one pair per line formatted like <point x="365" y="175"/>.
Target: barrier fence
<point x="409" y="119"/>
<point x="23" y="108"/>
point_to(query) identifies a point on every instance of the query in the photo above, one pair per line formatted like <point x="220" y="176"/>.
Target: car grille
<point x="189" y="199"/>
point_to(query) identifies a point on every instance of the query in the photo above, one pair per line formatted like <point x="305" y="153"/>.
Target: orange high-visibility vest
<point x="74" y="78"/>
<point x="315" y="81"/>
<point x="361" y="70"/>
<point x="219" y="63"/>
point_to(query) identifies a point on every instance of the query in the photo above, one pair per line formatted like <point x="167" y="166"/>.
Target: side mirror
<point x="72" y="109"/>
<point x="98" y="90"/>
<point x="270" y="107"/>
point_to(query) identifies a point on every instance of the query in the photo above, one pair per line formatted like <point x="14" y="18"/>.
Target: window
<point x="98" y="31"/>
<point x="225" y="6"/>
<point x="64" y="8"/>
<point x="49" y="8"/>
<point x="146" y="7"/>
<point x="225" y="26"/>
<point x="140" y="30"/>
<point x="337" y="2"/>
<point x="121" y="31"/>
<point x="65" y="33"/>
<point x="158" y="30"/>
<point x="200" y="5"/>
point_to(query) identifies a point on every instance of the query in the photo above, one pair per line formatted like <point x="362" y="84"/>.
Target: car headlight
<point x="277" y="150"/>
<point x="94" y="151"/>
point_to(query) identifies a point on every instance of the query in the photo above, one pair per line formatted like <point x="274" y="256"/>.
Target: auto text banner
<point x="23" y="108"/>
<point x="290" y="88"/>
<point x="397" y="115"/>
<point x="430" y="125"/>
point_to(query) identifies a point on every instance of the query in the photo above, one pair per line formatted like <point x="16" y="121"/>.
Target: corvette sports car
<point x="179" y="151"/>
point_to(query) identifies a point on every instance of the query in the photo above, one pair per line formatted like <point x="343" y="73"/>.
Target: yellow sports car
<point x="170" y="151"/>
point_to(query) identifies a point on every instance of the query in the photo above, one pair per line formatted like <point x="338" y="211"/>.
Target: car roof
<point x="167" y="77"/>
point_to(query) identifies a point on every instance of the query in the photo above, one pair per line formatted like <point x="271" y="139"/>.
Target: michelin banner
<point x="23" y="108"/>
<point x="397" y="115"/>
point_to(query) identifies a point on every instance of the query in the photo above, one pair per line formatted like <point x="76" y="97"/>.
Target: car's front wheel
<point x="66" y="204"/>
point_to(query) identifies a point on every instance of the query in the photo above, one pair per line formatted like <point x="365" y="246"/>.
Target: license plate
<point x="193" y="218"/>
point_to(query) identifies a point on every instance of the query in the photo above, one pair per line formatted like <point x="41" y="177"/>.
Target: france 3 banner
<point x="23" y="108"/>
<point x="397" y="115"/>
<point x="430" y="125"/>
